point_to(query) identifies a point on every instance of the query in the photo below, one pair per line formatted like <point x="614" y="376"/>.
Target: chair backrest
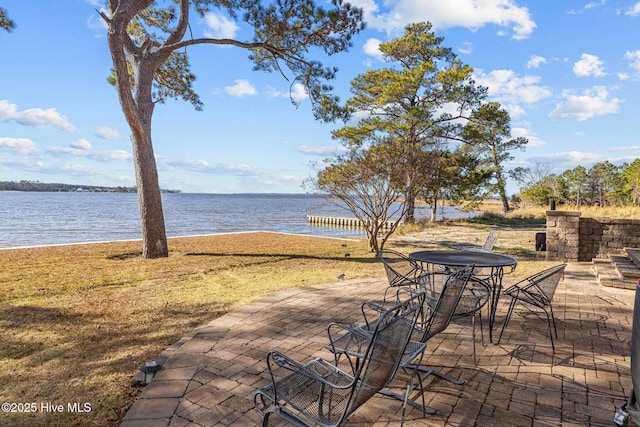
<point x="546" y="282"/>
<point x="490" y="242"/>
<point x="449" y="297"/>
<point x="386" y="347"/>
<point x="401" y="271"/>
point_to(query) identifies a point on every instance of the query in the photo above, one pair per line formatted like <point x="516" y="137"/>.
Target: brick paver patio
<point x="209" y="377"/>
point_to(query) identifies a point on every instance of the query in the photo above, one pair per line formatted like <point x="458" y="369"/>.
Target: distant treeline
<point x="42" y="186"/>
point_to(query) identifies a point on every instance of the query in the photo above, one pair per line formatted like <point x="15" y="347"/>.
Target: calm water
<point x="30" y="218"/>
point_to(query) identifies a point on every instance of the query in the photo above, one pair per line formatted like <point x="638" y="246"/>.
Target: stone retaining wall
<point x="572" y="238"/>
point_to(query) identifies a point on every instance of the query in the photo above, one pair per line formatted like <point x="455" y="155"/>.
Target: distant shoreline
<point x="42" y="187"/>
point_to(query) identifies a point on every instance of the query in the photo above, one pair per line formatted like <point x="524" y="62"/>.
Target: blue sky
<point x="567" y="71"/>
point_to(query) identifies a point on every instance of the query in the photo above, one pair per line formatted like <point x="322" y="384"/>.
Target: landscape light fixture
<point x="149" y="370"/>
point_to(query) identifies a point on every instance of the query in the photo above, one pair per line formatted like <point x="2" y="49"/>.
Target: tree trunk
<point x="434" y="209"/>
<point x="410" y="202"/>
<point x="138" y="113"/>
<point x="410" y="215"/>
<point x="502" y="191"/>
<point x="505" y="200"/>
<point x="154" y="238"/>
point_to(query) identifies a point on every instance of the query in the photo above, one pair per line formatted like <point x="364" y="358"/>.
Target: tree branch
<point x="181" y="29"/>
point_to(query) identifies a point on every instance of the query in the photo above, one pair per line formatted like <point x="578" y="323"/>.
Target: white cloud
<point x="106" y="132"/>
<point x="592" y="102"/>
<point x="95" y="21"/>
<point x="321" y="150"/>
<point x="83" y="148"/>
<point x="118" y="155"/>
<point x="36" y="117"/>
<point x="589" y="65"/>
<point x="274" y="93"/>
<point x="22" y="163"/>
<point x="298" y="92"/>
<point x="204" y="166"/>
<point x="535" y="61"/>
<point x="635" y="149"/>
<point x="372" y="48"/>
<point x="22" y="146"/>
<point x="511" y="90"/>
<point x="220" y="27"/>
<point x="634" y="60"/>
<point x="514" y="110"/>
<point x="241" y="88"/>
<point x="525" y="132"/>
<point x="634" y="10"/>
<point x="471" y="14"/>
<point x="593" y="4"/>
<point x="82" y="144"/>
<point x="567" y="158"/>
<point x="465" y="48"/>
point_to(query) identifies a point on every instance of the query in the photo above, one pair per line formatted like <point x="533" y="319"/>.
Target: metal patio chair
<point x="492" y="238"/>
<point x="319" y="392"/>
<point x="474" y="297"/>
<point x="401" y="271"/>
<point x="536" y="291"/>
<point x="435" y="317"/>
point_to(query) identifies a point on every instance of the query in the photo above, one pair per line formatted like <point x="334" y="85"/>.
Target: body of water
<point x="34" y="218"/>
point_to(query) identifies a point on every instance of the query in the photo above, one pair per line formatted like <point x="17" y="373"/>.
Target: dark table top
<point x="462" y="258"/>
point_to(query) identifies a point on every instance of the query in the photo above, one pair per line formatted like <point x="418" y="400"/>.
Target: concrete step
<point x="625" y="267"/>
<point x="634" y="255"/>
<point x="607" y="275"/>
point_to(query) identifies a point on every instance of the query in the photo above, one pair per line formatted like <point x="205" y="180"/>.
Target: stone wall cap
<point x="564" y="213"/>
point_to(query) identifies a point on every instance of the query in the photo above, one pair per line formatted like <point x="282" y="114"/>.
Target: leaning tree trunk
<point x="503" y="194"/>
<point x="138" y="113"/>
<point x="410" y="202"/>
<point x="154" y="239"/>
<point x="434" y="209"/>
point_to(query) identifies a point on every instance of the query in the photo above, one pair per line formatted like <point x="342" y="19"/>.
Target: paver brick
<point x="210" y="375"/>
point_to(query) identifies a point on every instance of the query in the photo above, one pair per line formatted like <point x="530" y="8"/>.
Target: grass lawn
<point x="76" y="321"/>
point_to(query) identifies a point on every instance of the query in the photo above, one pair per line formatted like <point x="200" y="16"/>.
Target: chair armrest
<point x="523" y="283"/>
<point x="278" y="359"/>
<point x="349" y="333"/>
<point x="374" y="308"/>
<point x="348" y="328"/>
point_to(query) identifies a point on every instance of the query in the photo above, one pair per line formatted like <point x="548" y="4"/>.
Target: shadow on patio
<point x="209" y="377"/>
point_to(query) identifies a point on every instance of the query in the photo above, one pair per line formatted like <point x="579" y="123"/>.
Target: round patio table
<point x="479" y="259"/>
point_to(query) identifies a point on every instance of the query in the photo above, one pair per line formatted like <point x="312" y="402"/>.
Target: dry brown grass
<point x="76" y="321"/>
<point x="494" y="206"/>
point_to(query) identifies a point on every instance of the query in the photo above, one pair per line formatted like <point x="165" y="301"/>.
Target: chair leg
<point x="473" y="334"/>
<point x="481" y="330"/>
<point x="473" y="338"/>
<point x="506" y="319"/>
<point x="429" y="371"/>
<point x="551" y="320"/>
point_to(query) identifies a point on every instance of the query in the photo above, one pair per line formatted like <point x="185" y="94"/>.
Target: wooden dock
<point x="341" y="221"/>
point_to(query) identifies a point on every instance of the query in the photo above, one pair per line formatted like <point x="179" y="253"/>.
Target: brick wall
<point x="572" y="238"/>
